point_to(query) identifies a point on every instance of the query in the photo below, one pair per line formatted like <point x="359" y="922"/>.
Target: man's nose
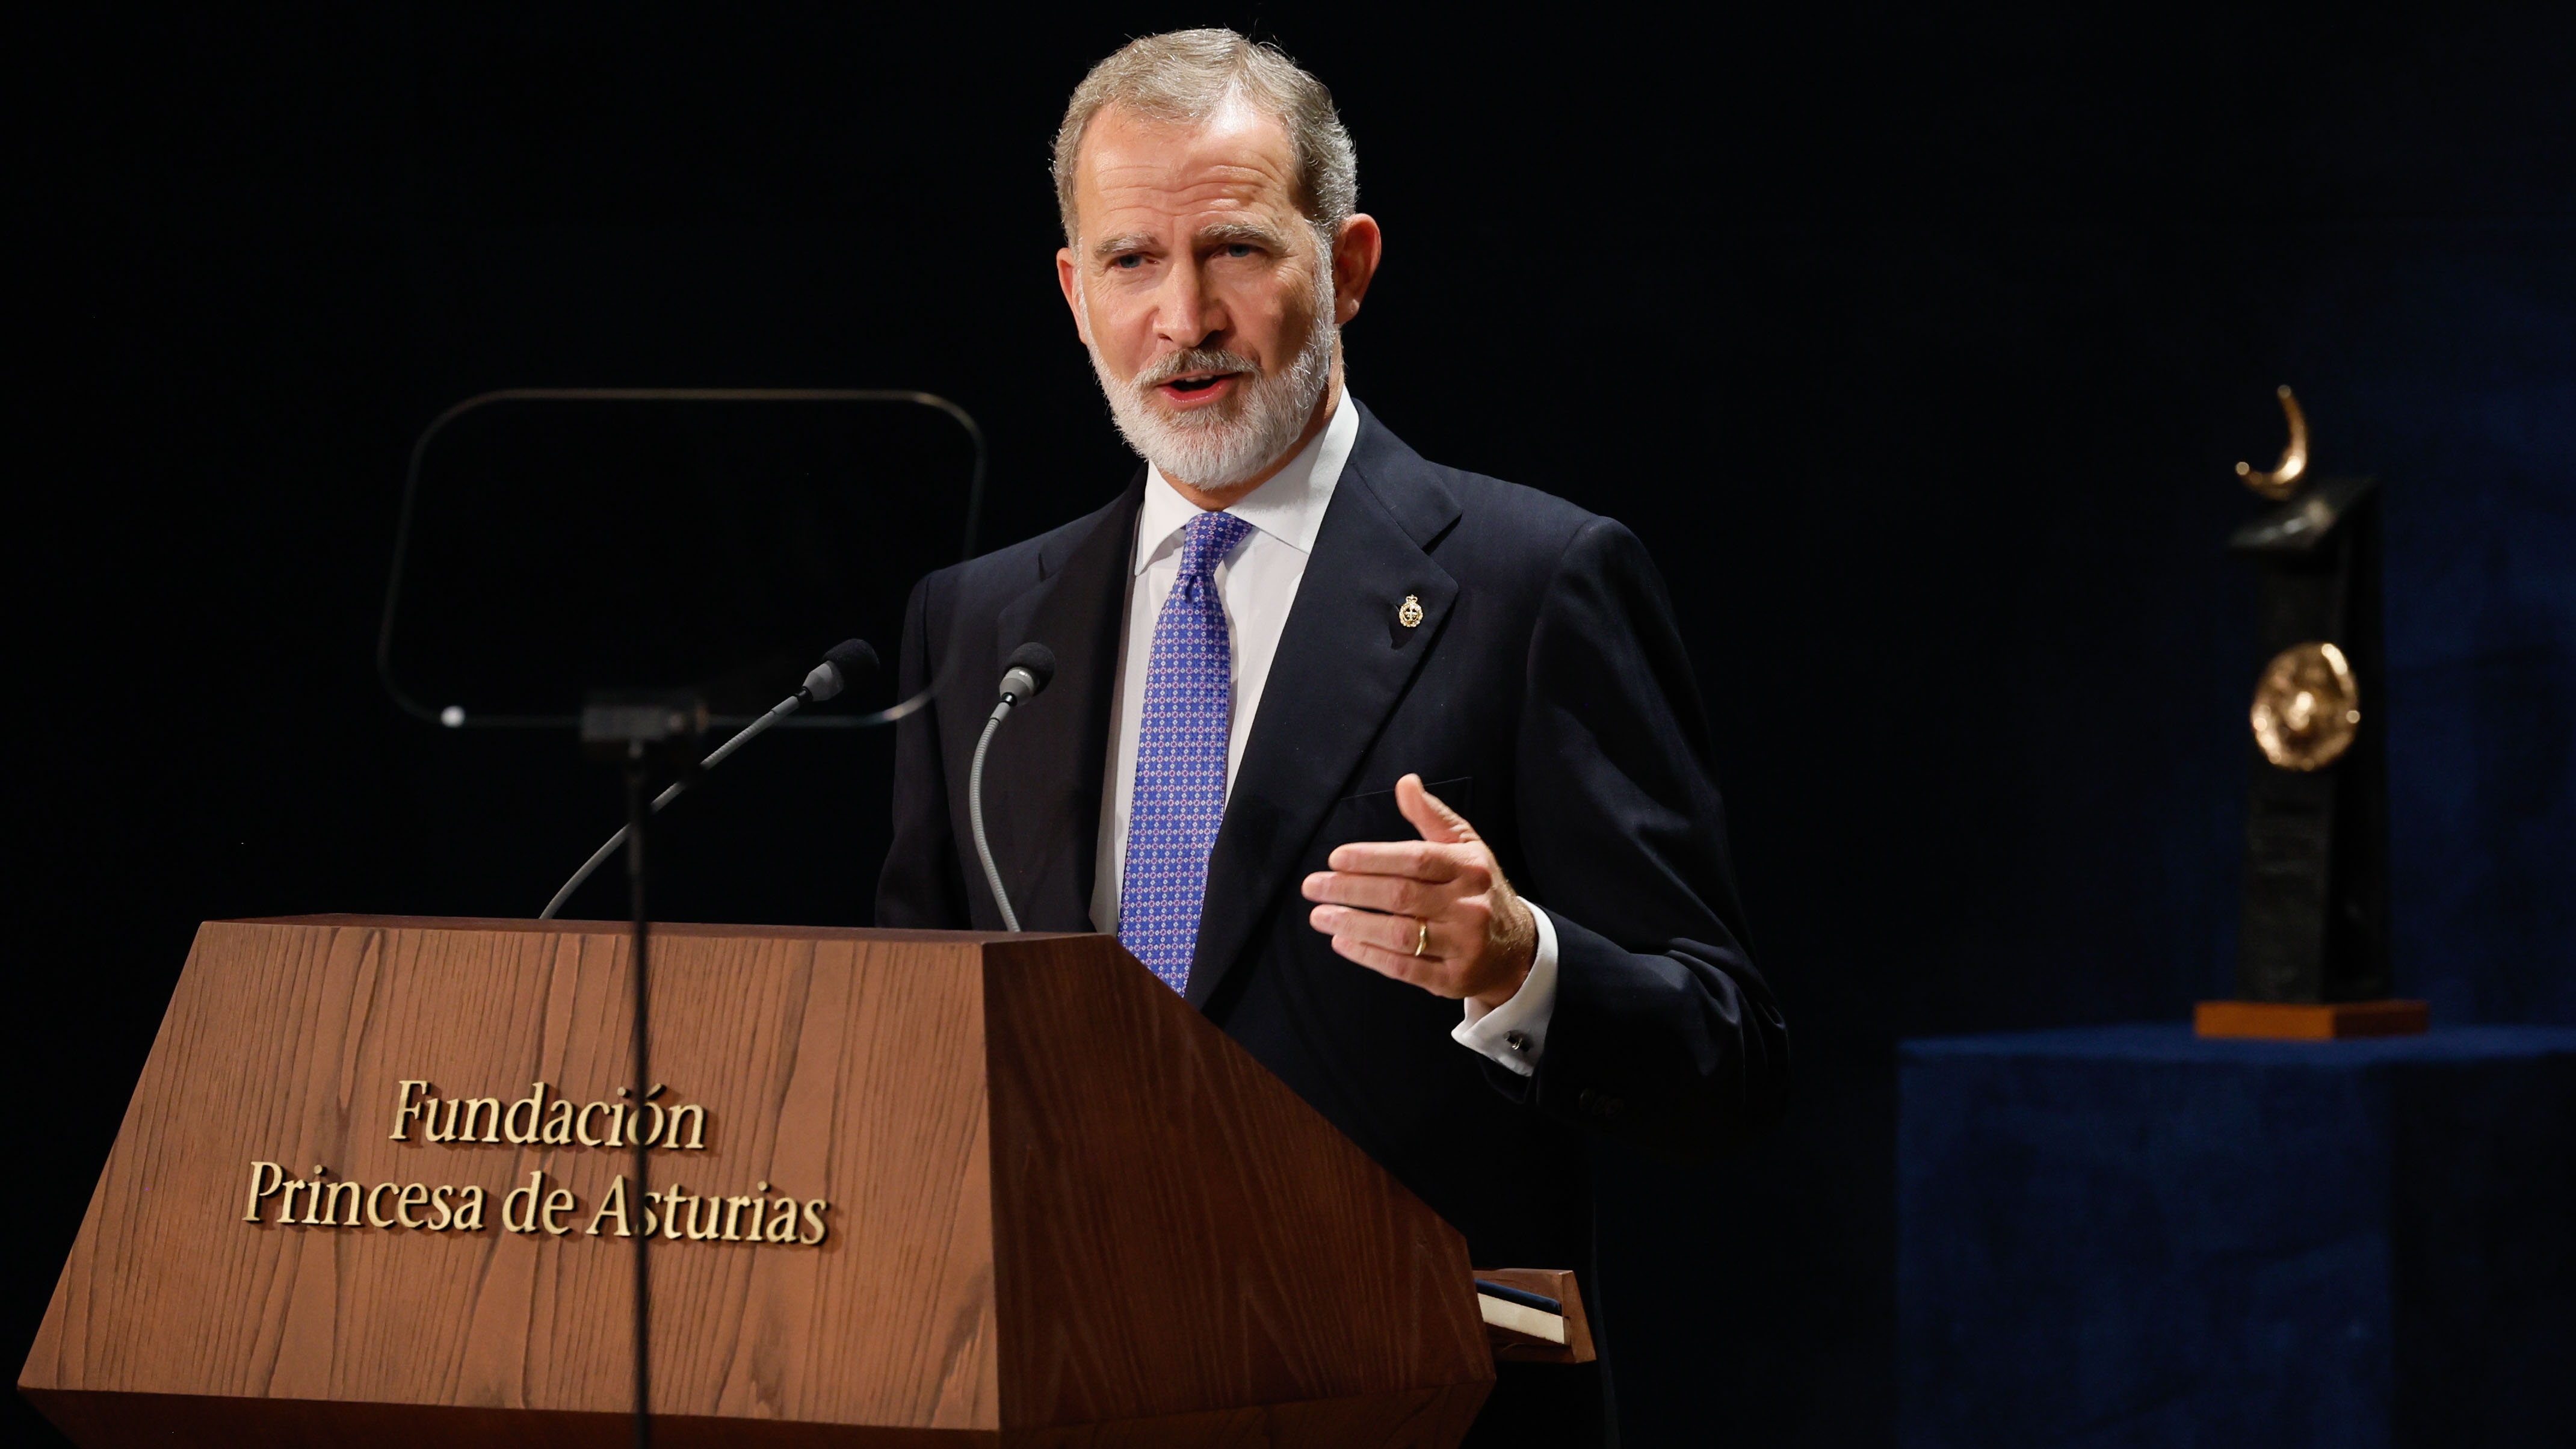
<point x="1187" y="314"/>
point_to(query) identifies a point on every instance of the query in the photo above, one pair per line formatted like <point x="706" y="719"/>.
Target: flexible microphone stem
<point x="1028" y="670"/>
<point x="599" y="857"/>
<point x="975" y="816"/>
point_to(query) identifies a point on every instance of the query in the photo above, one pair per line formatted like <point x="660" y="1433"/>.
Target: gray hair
<point x="1187" y="76"/>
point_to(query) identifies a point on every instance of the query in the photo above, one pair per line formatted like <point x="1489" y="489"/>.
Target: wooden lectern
<point x="908" y="1189"/>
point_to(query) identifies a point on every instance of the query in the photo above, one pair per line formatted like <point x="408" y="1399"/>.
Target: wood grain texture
<point x="209" y="1422"/>
<point x="1423" y="1419"/>
<point x="1285" y="1265"/>
<point x="852" y="1066"/>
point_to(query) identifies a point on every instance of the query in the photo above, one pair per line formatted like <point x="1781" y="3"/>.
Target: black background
<point x="1919" y="350"/>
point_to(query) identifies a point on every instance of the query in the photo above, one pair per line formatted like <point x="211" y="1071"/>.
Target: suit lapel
<point x="1345" y="658"/>
<point x="1042" y="780"/>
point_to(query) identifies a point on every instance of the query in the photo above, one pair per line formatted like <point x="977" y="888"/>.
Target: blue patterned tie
<point x="1180" y="759"/>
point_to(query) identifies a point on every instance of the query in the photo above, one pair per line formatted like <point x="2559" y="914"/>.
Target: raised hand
<point x="1435" y="912"/>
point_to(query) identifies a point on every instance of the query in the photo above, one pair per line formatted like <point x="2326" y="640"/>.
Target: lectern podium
<point x="907" y="1189"/>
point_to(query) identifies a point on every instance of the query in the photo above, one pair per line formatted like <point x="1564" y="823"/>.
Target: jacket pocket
<point x="1373" y="816"/>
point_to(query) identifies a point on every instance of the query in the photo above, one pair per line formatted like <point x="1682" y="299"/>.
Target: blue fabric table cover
<point x="2130" y="1236"/>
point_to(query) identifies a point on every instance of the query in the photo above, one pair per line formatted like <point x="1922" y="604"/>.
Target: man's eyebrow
<point x="1120" y="245"/>
<point x="1227" y="233"/>
<point x="1218" y="234"/>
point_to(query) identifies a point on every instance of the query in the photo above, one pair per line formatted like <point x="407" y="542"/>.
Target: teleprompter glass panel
<point x="559" y="541"/>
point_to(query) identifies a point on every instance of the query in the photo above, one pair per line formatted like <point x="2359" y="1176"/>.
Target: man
<point x="1322" y="709"/>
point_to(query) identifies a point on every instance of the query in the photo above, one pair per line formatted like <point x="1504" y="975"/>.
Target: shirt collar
<point x="1289" y="507"/>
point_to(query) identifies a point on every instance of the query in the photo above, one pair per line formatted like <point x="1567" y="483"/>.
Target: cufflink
<point x="1517" y="1040"/>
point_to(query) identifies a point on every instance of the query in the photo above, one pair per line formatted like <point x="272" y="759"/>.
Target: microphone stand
<point x="637" y="729"/>
<point x="638" y="814"/>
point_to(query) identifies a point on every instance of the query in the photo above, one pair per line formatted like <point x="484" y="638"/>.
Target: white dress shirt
<point x="1258" y="584"/>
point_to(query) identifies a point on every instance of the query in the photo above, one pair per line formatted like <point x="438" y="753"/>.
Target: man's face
<point x="1204" y="294"/>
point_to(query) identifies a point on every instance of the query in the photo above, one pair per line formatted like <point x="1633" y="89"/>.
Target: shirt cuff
<point x="1515" y="1033"/>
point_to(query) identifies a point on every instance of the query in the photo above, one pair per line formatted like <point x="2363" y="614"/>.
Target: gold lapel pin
<point x="1410" y="616"/>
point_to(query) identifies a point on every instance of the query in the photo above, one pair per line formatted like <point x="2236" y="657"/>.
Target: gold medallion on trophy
<point x="2306" y="707"/>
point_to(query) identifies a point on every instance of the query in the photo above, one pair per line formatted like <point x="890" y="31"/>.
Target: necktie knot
<point x="1207" y="540"/>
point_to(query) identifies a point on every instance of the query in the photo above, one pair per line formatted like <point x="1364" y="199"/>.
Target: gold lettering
<point x="488" y="1111"/>
<point x="515" y="1221"/>
<point x="651" y="1201"/>
<point x="714" y="1207"/>
<point x="332" y="1216"/>
<point x="535" y="1102"/>
<point x="674" y="1203"/>
<point x="276" y="1179"/>
<point x="616" y="1125"/>
<point x="430" y="1128"/>
<point x="814" y="1221"/>
<point x="558" y="1201"/>
<point x="782" y="1221"/>
<point x="733" y="1216"/>
<point x="405" y="1108"/>
<point x="559" y="1123"/>
<point x="438" y="1205"/>
<point x="613" y="1202"/>
<point x="286" y="1199"/>
<point x="654" y="1134"/>
<point x="313" y="1203"/>
<point x="375" y="1204"/>
<point x="697" y="1116"/>
<point x="413" y="1195"/>
<point x="581" y="1126"/>
<point x="469" y="1210"/>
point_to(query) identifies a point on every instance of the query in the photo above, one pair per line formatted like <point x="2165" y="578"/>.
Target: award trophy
<point x="2312" y="950"/>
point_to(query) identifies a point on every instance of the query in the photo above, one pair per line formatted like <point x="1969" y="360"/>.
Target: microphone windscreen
<point x="845" y="664"/>
<point x="856" y="658"/>
<point x="1038" y="660"/>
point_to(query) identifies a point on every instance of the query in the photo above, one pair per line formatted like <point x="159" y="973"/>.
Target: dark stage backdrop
<point x="1918" y="351"/>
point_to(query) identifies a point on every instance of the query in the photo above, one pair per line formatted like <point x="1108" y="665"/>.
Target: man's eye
<point x="1238" y="249"/>
<point x="1127" y="263"/>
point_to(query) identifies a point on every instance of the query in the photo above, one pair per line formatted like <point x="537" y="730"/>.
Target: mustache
<point x="1196" y="359"/>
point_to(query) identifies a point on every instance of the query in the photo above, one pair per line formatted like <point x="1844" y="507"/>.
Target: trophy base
<point x="2311" y="1021"/>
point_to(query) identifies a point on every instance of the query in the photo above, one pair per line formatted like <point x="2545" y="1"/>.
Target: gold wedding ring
<point x="1421" y="935"/>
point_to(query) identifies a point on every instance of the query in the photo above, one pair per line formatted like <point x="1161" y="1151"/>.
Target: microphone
<point x="1026" y="672"/>
<point x="844" y="665"/>
<point x="1032" y="666"/>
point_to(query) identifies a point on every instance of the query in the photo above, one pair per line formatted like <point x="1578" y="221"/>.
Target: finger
<point x="1396" y="934"/>
<point x="1412" y="859"/>
<point x="1399" y="895"/>
<point x="1427" y="972"/>
<point x="1431" y="815"/>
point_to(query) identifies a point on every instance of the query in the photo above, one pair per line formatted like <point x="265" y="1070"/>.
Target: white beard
<point x="1220" y="446"/>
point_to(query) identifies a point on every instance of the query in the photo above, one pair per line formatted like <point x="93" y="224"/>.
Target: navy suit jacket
<point x="1544" y="693"/>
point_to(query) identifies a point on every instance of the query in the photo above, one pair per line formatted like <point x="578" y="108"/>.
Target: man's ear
<point x="1355" y="257"/>
<point x="1072" y="285"/>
